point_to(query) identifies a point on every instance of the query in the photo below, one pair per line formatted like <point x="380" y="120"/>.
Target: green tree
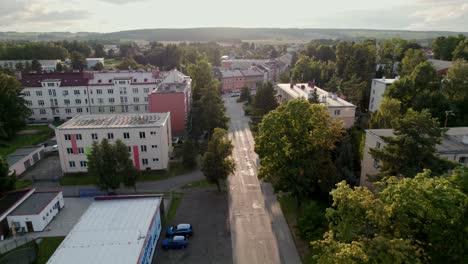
<point x="189" y="154"/>
<point x="59" y="67"/>
<point x="354" y="89"/>
<point x="461" y="52"/>
<point x="412" y="149"/>
<point x="217" y="163"/>
<point x="389" y="111"/>
<point x="128" y="63"/>
<point x="99" y="51"/>
<point x="13" y="110"/>
<point x="455" y="88"/>
<point x="411" y="59"/>
<point x="78" y="61"/>
<point x="390" y="53"/>
<point x="265" y="99"/>
<point x="443" y="47"/>
<point x="7" y="180"/>
<point x="36" y="66"/>
<point x="301" y="71"/>
<point x="245" y="95"/>
<point x="314" y="98"/>
<point x="98" y="67"/>
<point x="124" y="165"/>
<point x="294" y="144"/>
<point x="202" y="77"/>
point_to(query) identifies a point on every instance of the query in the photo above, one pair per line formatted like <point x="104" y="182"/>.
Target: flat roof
<point x="112" y="230"/>
<point x="10" y="200"/>
<point x="386" y="81"/>
<point x="297" y="92"/>
<point x="116" y="120"/>
<point x="19" y="154"/>
<point x="452" y="142"/>
<point x="35" y="203"/>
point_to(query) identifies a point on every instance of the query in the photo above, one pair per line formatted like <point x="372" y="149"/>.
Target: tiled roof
<point x="66" y="79"/>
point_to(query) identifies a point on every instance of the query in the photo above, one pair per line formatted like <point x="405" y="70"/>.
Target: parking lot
<point x="46" y="169"/>
<point x="207" y="211"/>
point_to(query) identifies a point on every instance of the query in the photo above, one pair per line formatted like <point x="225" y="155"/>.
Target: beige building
<point x="454" y="146"/>
<point x="337" y="107"/>
<point x="378" y="88"/>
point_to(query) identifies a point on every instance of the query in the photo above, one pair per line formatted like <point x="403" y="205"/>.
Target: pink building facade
<point x="174" y="96"/>
<point x="234" y="80"/>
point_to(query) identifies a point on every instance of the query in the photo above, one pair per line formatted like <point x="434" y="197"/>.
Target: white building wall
<point x="41" y="220"/>
<point x="19" y="167"/>
<point x="158" y="157"/>
<point x="378" y="88"/>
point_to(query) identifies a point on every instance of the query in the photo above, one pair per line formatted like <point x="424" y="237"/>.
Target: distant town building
<point x="91" y="62"/>
<point x="234" y="80"/>
<point x="337" y="107"/>
<point x="440" y="66"/>
<point x="454" y="146"/>
<point x="23" y="158"/>
<point x="173" y="95"/>
<point x="378" y="88"/>
<point x="114" y="229"/>
<point x="271" y="68"/>
<point x="47" y="65"/>
<point x="147" y="136"/>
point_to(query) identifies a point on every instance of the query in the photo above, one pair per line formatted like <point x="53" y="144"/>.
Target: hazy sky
<point x="116" y="15"/>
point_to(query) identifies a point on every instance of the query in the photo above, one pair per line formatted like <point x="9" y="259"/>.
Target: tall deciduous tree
<point x="98" y="67"/>
<point x="354" y="89"/>
<point x="411" y="59"/>
<point x="13" y="110"/>
<point x="390" y="53"/>
<point x="217" y="163"/>
<point x="78" y="61"/>
<point x="294" y="144"/>
<point x="7" y="180"/>
<point x="189" y="154"/>
<point x="99" y="51"/>
<point x="389" y="111"/>
<point x="36" y="66"/>
<point x="412" y="149"/>
<point x="265" y="99"/>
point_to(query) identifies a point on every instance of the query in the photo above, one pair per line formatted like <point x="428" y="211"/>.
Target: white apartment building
<point x="378" y="88"/>
<point x="147" y="136"/>
<point x="61" y="96"/>
<point x="337" y="107"/>
<point x="454" y="147"/>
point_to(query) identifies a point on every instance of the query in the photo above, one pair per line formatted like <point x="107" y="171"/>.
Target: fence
<point x="8" y="245"/>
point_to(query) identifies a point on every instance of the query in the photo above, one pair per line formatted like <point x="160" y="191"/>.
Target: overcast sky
<point x="117" y="15"/>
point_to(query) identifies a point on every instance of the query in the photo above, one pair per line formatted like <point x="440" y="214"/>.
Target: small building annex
<point x="23" y="158"/>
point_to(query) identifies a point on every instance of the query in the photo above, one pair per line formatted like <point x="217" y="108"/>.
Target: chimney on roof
<point x="302" y="86"/>
<point x="383" y="78"/>
<point x="291" y="85"/>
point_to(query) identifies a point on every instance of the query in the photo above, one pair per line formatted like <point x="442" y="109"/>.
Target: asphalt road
<point x="259" y="231"/>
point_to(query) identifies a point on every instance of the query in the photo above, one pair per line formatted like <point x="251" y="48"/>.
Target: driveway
<point x="46" y="169"/>
<point x="207" y="211"/>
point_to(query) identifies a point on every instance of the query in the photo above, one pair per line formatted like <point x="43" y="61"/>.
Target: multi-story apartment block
<point x="378" y="88"/>
<point x="60" y="96"/>
<point x="454" y="146"/>
<point x="147" y="136"/>
<point x="173" y="95"/>
<point x="337" y="107"/>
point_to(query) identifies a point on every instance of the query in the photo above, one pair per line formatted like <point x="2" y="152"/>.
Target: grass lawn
<point x="203" y="183"/>
<point x="47" y="247"/>
<point x="77" y="179"/>
<point x="22" y="184"/>
<point x="175" y="169"/>
<point x="289" y="208"/>
<point x="111" y="63"/>
<point x="171" y="212"/>
<point x="43" y="133"/>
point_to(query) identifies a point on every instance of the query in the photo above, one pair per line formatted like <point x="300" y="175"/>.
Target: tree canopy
<point x="7" y="180"/>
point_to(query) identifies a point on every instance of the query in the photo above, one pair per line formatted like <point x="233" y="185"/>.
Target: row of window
<point x="111" y="91"/>
<point x="52" y="92"/>
<point x="84" y="163"/>
<point x="123" y="99"/>
<point x="143" y="148"/>
<point x="94" y="136"/>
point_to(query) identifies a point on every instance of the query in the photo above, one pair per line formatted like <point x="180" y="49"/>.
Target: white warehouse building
<point x="147" y="135"/>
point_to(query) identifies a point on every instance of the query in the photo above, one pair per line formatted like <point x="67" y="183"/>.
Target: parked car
<point x="175" y="242"/>
<point x="235" y="94"/>
<point x="179" y="230"/>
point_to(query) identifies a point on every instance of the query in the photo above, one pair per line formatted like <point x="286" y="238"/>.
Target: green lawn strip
<point x="47" y="247"/>
<point x="77" y="179"/>
<point x="289" y="208"/>
<point x="175" y="202"/>
<point x="203" y="183"/>
<point x="22" y="184"/>
<point x="43" y="133"/>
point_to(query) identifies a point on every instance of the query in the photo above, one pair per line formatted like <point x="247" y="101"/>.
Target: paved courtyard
<point x="46" y="169"/>
<point x="207" y="211"/>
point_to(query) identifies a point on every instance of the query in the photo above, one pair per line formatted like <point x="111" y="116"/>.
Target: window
<point x="153" y="132"/>
<point x="42" y="111"/>
<point x="27" y="93"/>
<point x="83" y="163"/>
<point x="144" y="161"/>
<point x="145" y="80"/>
<point x="110" y="136"/>
<point x="146" y="99"/>
<point x="94" y="136"/>
<point x="124" y="108"/>
<point x="155" y="159"/>
<point x="126" y="135"/>
<point x="72" y="164"/>
<point x="122" y="82"/>
<point x="142" y="135"/>
<point x="65" y="92"/>
<point x="77" y="101"/>
<point x="80" y="150"/>
<point x="146" y="90"/>
<point x="40" y="102"/>
<point x="112" y="109"/>
<point x="76" y="92"/>
<point x="129" y="149"/>
<point x="67" y="137"/>
<point x="28" y="102"/>
<point x="98" y="91"/>
<point x="136" y="108"/>
<point x="372" y="100"/>
<point x="79" y="110"/>
<point x="100" y="100"/>
<point x="69" y="150"/>
<point x="66" y="101"/>
<point x="143" y="148"/>
<point x="135" y="90"/>
<point x="337" y="112"/>
<point x="52" y="92"/>
<point x="462" y="160"/>
<point x="135" y="80"/>
<point x="154" y="146"/>
<point x="50" y="84"/>
<point x="146" y="107"/>
<point x="67" y="111"/>
<point x="78" y="137"/>
<point x="110" y="91"/>
<point x="101" y="109"/>
<point x="373" y="91"/>
<point x="38" y="93"/>
<point x="136" y="99"/>
<point x="111" y="100"/>
<point x="99" y="81"/>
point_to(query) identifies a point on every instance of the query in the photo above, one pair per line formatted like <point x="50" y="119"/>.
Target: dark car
<point x="175" y="242"/>
<point x="179" y="230"/>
